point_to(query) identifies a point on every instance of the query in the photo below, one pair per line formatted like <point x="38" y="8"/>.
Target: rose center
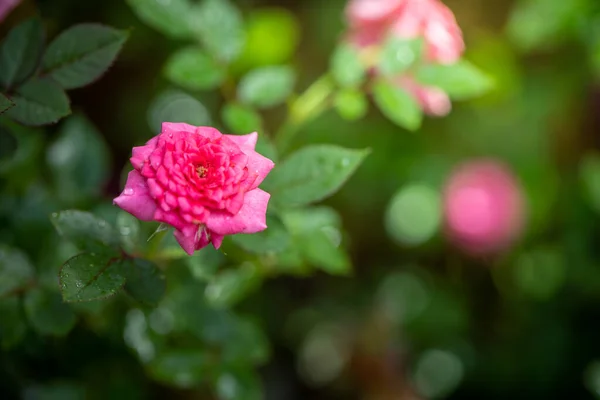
<point x="201" y="170"/>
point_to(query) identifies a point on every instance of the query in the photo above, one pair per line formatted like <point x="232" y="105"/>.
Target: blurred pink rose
<point x="372" y="21"/>
<point x="483" y="207"/>
<point x="6" y="7"/>
<point x="201" y="182"/>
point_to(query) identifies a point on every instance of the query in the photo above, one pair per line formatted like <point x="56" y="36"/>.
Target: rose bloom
<point x="199" y="181"/>
<point x="483" y="207"/>
<point x="372" y="21"/>
<point x="6" y="6"/>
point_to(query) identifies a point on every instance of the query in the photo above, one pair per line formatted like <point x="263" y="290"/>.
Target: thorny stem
<point x="303" y="109"/>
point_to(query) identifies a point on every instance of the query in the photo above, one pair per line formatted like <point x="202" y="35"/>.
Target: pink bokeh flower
<point x="6" y="6"/>
<point x="373" y="21"/>
<point x="199" y="181"/>
<point x="484" y="208"/>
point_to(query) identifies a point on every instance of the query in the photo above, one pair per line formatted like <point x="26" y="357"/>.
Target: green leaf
<point x="13" y="327"/>
<point x="56" y="391"/>
<point x="272" y="240"/>
<point x="544" y="23"/>
<point x="192" y="69"/>
<point x="5" y="103"/>
<point x="351" y="104"/>
<point x="79" y="160"/>
<point x="399" y="54"/>
<point x="85" y="230"/>
<point x="461" y="80"/>
<point x="230" y="286"/>
<point x="145" y="282"/>
<point x="39" y="101"/>
<point x="246" y="343"/>
<point x="9" y="146"/>
<point x="176" y="106"/>
<point x="241" y="119"/>
<point x="20" y="52"/>
<point x="220" y="26"/>
<point x="589" y="173"/>
<point x="16" y="270"/>
<point x="311" y="174"/>
<point x="266" y="87"/>
<point x="183" y="368"/>
<point x="320" y="250"/>
<point x="47" y="313"/>
<point x="90" y="276"/>
<point x="82" y="53"/>
<point x="397" y="105"/>
<point x="169" y="17"/>
<point x="317" y="236"/>
<point x="128" y="227"/>
<point x="347" y="67"/>
<point x="239" y="384"/>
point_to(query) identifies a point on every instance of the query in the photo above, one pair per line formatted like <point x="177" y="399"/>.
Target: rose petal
<point x="193" y="242"/>
<point x="136" y="198"/>
<point x="245" y="142"/>
<point x="216" y="239"/>
<point x="258" y="167"/>
<point x="363" y="12"/>
<point x="250" y="219"/>
<point x="140" y="154"/>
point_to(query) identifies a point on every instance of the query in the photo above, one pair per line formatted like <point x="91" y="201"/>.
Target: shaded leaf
<point x="266" y="87"/>
<point x="193" y="69"/>
<point x="12" y="325"/>
<point x="183" y="368"/>
<point x="82" y="53"/>
<point x="55" y="391"/>
<point x="174" y="105"/>
<point x="145" y="282"/>
<point x="239" y="384"/>
<point x="39" y="101"/>
<point x="47" y="313"/>
<point x="397" y="105"/>
<point x="317" y="237"/>
<point x="230" y="286"/>
<point x="91" y="276"/>
<point x="220" y="26"/>
<point x="16" y="270"/>
<point x="85" y="230"/>
<point x="5" y="103"/>
<point x="312" y="174"/>
<point x="20" y="52"/>
<point x="79" y="160"/>
<point x="128" y="227"/>
<point x="171" y="17"/>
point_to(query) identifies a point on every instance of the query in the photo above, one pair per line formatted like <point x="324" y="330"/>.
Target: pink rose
<point x="373" y="20"/>
<point x="372" y="12"/>
<point x="483" y="207"/>
<point x="436" y="24"/>
<point x="6" y="7"/>
<point x="199" y="181"/>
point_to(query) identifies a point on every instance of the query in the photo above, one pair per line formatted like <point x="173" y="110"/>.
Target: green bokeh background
<point x="415" y="316"/>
